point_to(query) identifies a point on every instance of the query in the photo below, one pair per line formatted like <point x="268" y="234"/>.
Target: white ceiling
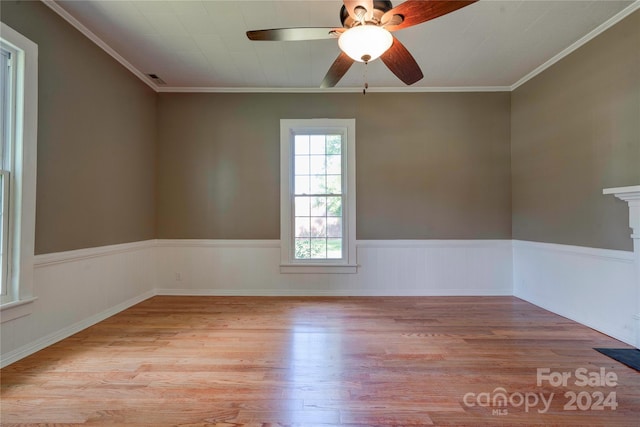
<point x="202" y="43"/>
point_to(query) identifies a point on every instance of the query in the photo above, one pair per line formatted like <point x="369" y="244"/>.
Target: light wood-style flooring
<point x="296" y="361"/>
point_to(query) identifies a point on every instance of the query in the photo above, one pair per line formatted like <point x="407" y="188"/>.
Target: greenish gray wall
<point x="428" y="165"/>
<point x="96" y="138"/>
<point x="575" y="129"/>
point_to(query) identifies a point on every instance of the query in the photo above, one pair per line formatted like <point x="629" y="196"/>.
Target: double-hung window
<point x="318" y="196"/>
<point x="18" y="130"/>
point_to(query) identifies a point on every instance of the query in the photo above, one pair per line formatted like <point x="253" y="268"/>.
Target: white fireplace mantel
<point x="631" y="195"/>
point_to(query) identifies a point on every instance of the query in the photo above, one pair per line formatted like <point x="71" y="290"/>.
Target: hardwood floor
<point x="263" y="361"/>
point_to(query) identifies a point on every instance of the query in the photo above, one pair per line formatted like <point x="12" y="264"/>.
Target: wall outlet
<point x="178" y="277"/>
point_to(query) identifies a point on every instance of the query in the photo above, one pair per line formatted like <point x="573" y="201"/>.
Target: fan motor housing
<point x="380" y="7"/>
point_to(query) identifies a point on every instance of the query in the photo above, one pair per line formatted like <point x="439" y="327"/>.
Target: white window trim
<point x="287" y="262"/>
<point x="24" y="191"/>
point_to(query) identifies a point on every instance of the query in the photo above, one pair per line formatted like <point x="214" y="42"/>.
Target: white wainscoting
<point x="591" y="286"/>
<point x="77" y="289"/>
<point x="396" y="267"/>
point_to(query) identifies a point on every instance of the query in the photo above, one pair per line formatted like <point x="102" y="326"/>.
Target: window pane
<point x="334" y="144"/>
<point x="318" y="227"/>
<point x="302" y="165"/>
<point x="318" y="184"/>
<point x="317" y="144"/>
<point x="318" y="206"/>
<point x="334" y="227"/>
<point x="334" y="184"/>
<point x="318" y="248"/>
<point x="303" y="207"/>
<point x="301" y="144"/>
<point x="334" y="206"/>
<point x="302" y="185"/>
<point x="303" y="248"/>
<point x="302" y="226"/>
<point x="334" y="248"/>
<point x="317" y="165"/>
<point x="334" y="165"/>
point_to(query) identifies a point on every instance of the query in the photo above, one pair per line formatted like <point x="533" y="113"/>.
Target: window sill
<point x="16" y="309"/>
<point x="318" y="268"/>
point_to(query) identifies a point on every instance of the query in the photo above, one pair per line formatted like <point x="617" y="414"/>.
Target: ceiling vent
<point x="156" y="79"/>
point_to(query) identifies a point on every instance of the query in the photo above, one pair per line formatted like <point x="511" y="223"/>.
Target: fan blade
<point x="401" y="63"/>
<point x="367" y="5"/>
<point x="416" y="12"/>
<point x="294" y="34"/>
<point x="338" y="69"/>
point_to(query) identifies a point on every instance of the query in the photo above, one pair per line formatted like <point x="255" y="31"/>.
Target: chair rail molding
<point x="631" y="195"/>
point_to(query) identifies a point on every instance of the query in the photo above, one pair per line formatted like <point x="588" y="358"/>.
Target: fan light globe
<point x="365" y="43"/>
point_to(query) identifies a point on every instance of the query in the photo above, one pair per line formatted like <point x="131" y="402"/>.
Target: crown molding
<point x="580" y="42"/>
<point x="332" y="90"/>
<point x="97" y="40"/>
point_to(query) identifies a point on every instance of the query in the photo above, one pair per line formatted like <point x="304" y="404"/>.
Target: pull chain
<point x="364" y="77"/>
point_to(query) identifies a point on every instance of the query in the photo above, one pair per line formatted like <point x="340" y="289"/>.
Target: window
<point x="317" y="196"/>
<point x="18" y="130"/>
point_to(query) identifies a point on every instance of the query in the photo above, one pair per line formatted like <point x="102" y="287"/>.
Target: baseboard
<point x="37" y="345"/>
<point x="320" y="293"/>
<point x="247" y="293"/>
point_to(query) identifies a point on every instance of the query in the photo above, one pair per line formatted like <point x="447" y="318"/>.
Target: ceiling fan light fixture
<point x="365" y="43"/>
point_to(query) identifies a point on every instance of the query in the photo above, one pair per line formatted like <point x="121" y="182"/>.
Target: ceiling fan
<point x="366" y="34"/>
